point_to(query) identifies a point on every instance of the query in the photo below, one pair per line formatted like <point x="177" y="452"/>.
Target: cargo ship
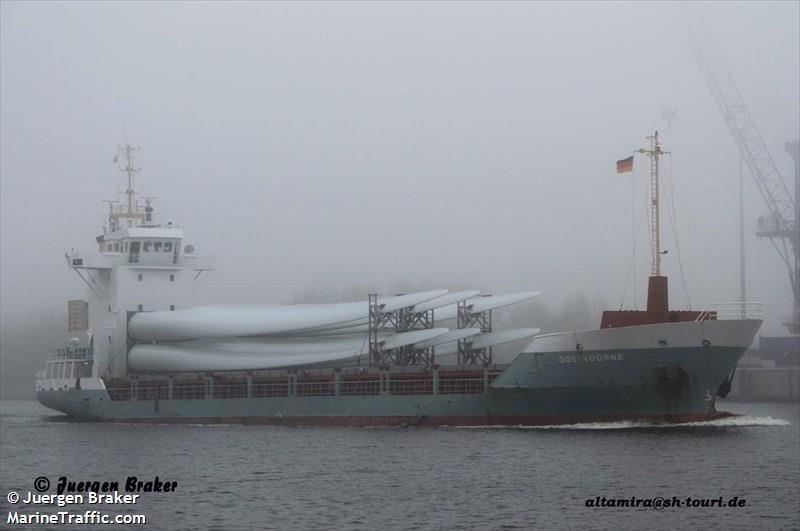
<point x="138" y="351"/>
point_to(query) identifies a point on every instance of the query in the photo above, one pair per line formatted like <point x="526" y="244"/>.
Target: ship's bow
<point x="670" y="371"/>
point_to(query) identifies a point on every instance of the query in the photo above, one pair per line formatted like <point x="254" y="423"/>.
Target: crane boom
<point x="781" y="226"/>
<point x="751" y="145"/>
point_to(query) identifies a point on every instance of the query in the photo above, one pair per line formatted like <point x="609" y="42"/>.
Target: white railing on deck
<point x="727" y="311"/>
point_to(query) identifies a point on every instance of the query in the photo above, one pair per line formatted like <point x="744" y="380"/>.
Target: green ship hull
<point x="538" y="388"/>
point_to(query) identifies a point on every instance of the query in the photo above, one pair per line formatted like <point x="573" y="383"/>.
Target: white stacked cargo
<point x="251" y="337"/>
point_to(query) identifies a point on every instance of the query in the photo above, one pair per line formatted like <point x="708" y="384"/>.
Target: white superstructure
<point x="140" y="266"/>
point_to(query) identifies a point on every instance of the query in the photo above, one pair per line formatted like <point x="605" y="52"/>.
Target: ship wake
<point x="731" y="421"/>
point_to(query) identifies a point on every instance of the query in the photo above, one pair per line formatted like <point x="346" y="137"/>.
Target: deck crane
<point x="781" y="225"/>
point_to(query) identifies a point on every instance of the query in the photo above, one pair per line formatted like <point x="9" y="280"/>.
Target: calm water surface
<point x="266" y="477"/>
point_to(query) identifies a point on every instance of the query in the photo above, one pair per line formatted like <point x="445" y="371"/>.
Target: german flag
<point x="625" y="165"/>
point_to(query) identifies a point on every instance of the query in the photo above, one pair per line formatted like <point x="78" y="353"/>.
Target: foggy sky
<point x="325" y="145"/>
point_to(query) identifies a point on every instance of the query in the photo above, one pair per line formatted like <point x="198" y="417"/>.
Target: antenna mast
<point x="131" y="170"/>
<point x="654" y="153"/>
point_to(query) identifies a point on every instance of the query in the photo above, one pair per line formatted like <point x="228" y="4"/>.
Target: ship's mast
<point x="129" y="212"/>
<point x="131" y="170"/>
<point x="654" y="153"/>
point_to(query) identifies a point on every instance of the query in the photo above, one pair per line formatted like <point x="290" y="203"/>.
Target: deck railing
<point x="136" y="389"/>
<point x="733" y="310"/>
<point x="73" y="353"/>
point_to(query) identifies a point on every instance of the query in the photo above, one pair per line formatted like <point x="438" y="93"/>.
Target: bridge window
<point x="133" y="258"/>
<point x="171" y="307"/>
<point x="167" y="247"/>
<point x="140" y="277"/>
<point x="148" y="246"/>
<point x="140" y="307"/>
<point x="172" y="278"/>
<point x="157" y="247"/>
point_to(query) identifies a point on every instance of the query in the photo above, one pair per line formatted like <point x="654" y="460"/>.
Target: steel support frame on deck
<point x="467" y="319"/>
<point x="398" y="321"/>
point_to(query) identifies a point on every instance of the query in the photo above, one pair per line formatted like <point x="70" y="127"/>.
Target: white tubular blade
<point x="390" y="304"/>
<point x="409" y="338"/>
<point x="452" y="335"/>
<point x="506" y="336"/>
<point x="168" y="358"/>
<point x="482" y="304"/>
<point x="445" y="300"/>
<point x="253" y="320"/>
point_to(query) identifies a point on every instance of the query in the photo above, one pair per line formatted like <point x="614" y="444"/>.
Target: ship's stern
<point x="66" y="385"/>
